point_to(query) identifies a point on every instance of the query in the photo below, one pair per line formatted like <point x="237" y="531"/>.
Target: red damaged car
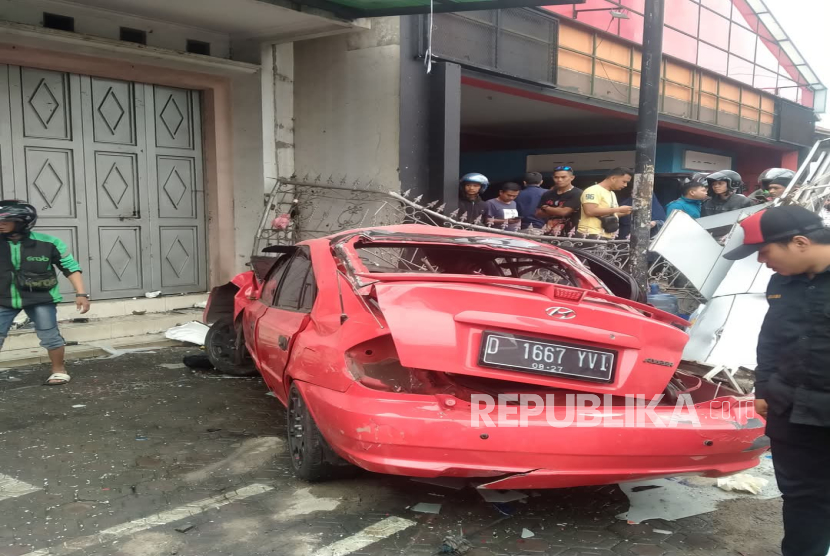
<point x="391" y="346"/>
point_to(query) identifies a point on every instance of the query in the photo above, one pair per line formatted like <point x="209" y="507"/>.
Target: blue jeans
<point x="45" y="317"/>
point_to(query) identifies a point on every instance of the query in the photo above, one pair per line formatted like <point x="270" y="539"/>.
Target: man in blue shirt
<point x="502" y="211"/>
<point x="528" y="201"/>
<point x="694" y="193"/>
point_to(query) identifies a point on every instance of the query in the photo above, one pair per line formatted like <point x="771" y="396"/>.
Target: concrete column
<point x="444" y="131"/>
<point x="278" y="112"/>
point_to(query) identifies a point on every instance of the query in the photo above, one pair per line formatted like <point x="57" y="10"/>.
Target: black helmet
<point x="770" y="174"/>
<point x="22" y="214"/>
<point x="729" y="176"/>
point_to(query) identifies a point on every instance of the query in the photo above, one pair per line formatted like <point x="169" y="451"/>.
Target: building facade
<point x="148" y="132"/>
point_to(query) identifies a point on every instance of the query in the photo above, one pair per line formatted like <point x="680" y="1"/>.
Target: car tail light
<point x="568" y="294"/>
<point x="375" y="364"/>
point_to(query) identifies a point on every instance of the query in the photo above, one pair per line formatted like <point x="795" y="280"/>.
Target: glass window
<point x="742" y="42"/>
<point x="291" y="289"/>
<point x="807" y="97"/>
<point x="680" y="46"/>
<point x="741" y="70"/>
<point x="766" y="54"/>
<point x="309" y="292"/>
<point x="747" y="19"/>
<point x="269" y="290"/>
<point x="635" y="5"/>
<point x="632" y="28"/>
<point x="683" y="16"/>
<point x="711" y="58"/>
<point x="714" y="29"/>
<point x="723" y="7"/>
<point x="765" y="79"/>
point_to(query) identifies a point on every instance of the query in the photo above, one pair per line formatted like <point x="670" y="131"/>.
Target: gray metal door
<point x="115" y="170"/>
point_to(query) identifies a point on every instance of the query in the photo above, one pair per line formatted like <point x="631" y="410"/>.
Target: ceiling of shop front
<point x="486" y="112"/>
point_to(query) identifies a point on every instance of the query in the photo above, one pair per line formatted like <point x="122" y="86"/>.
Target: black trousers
<point x="801" y="456"/>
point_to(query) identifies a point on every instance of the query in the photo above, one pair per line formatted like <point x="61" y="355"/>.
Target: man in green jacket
<point x="28" y="281"/>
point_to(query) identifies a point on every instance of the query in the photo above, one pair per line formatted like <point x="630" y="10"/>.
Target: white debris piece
<point x="501" y="496"/>
<point x="78" y="406"/>
<point x="192" y="333"/>
<point x="426" y="508"/>
<point x="152" y="295"/>
<point x="527" y="533"/>
<point x="201" y="305"/>
<point x="742" y="483"/>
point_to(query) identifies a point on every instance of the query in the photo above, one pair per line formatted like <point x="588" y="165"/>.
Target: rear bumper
<point x="431" y="436"/>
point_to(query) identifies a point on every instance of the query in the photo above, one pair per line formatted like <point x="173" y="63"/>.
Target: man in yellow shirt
<point x="600" y="210"/>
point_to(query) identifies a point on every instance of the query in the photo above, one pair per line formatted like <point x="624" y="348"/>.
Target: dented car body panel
<point x="394" y="335"/>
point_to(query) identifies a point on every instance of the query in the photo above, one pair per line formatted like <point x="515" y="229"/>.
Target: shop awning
<point x="379" y="8"/>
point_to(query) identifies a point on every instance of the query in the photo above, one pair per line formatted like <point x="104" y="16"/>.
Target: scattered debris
<point x="185" y="528"/>
<point x="80" y="320"/>
<point x="71" y="343"/>
<point x="527" y="533"/>
<point x="669" y="500"/>
<point x="113" y="352"/>
<point x="192" y="333"/>
<point x="662" y="532"/>
<point x="455" y="483"/>
<point x="173" y="365"/>
<point x="139" y="313"/>
<point x="140" y="437"/>
<point x="681" y="497"/>
<point x="78" y="406"/>
<point x="152" y="295"/>
<point x="270" y="393"/>
<point x="202" y="305"/>
<point x="455" y="544"/>
<point x="742" y="483"/>
<point x="426" y="508"/>
<point x="501" y="496"/>
<point x="197" y="361"/>
<point x="214" y="430"/>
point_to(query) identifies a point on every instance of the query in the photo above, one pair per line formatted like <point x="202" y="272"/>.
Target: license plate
<point x="533" y="355"/>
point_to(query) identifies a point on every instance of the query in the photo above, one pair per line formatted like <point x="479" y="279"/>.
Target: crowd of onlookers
<point x="596" y="212"/>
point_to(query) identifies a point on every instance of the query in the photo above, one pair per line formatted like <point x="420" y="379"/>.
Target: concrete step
<point x="22" y="347"/>
<point x="32" y="356"/>
<point x="127" y="307"/>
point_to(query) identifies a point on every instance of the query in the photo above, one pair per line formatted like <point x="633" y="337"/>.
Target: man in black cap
<point x="792" y="379"/>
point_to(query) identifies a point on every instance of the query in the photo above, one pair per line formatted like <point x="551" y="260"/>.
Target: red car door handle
<point x="283" y="343"/>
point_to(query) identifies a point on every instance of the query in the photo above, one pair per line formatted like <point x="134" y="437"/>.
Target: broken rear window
<point x="447" y="259"/>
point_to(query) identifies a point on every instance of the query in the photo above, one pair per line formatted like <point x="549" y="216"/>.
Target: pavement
<point x="141" y="456"/>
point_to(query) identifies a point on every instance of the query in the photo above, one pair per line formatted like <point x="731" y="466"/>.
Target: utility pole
<point x="646" y="140"/>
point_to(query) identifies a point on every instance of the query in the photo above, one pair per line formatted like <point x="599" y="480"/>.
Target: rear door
<point x="278" y="327"/>
<point x="256" y="310"/>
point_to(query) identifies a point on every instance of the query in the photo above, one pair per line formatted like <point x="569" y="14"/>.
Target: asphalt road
<point x="140" y="456"/>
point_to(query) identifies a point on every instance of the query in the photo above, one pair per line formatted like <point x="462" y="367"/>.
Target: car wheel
<point x="311" y="457"/>
<point x="222" y="347"/>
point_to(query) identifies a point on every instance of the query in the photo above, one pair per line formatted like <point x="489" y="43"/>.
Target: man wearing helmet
<point x="773" y="182"/>
<point x="723" y="193"/>
<point x="28" y="281"/>
<point x="470" y="205"/>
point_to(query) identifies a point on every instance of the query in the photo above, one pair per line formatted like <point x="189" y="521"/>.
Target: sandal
<point x="59" y="378"/>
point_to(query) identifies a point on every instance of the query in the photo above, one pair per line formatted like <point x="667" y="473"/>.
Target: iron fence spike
<point x="417" y="200"/>
<point x="406" y="193"/>
<point x="431" y="204"/>
<point x="454" y="214"/>
<point x="441" y="208"/>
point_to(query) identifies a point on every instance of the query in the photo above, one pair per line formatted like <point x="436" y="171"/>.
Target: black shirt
<point x="716" y="205"/>
<point x="572" y="199"/>
<point x="793" y="372"/>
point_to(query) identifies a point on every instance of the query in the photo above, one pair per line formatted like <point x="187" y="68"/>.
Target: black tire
<point x="312" y="459"/>
<point x="225" y="350"/>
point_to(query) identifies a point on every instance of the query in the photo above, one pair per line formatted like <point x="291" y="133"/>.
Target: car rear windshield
<point x="466" y="260"/>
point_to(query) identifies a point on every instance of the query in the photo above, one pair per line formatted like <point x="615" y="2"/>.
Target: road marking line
<point x="163" y="518"/>
<point x="370" y="535"/>
<point x="12" y="488"/>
